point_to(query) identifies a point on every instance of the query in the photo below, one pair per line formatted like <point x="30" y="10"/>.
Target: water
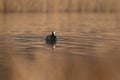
<point x="87" y="47"/>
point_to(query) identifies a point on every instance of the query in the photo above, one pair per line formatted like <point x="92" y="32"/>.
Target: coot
<point x="51" y="38"/>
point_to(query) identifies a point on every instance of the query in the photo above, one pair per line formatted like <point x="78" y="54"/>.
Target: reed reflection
<point x="87" y="47"/>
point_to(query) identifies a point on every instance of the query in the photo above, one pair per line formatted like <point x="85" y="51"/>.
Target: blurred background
<point x="59" y="6"/>
<point x="88" y="40"/>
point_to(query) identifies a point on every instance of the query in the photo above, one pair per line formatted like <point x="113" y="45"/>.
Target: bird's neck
<point x="53" y="34"/>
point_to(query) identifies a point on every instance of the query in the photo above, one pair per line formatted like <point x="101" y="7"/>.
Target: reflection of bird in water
<point x="51" y="39"/>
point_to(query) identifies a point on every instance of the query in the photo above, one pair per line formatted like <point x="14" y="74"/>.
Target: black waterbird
<point x="51" y="39"/>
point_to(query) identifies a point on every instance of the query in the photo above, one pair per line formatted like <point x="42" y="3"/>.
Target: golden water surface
<point x="87" y="48"/>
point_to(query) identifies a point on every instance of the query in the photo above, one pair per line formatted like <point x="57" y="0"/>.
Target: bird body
<point x="51" y="38"/>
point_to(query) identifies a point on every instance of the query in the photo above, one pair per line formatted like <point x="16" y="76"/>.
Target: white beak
<point x="54" y="33"/>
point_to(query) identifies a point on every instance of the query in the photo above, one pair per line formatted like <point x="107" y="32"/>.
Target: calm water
<point x="88" y="46"/>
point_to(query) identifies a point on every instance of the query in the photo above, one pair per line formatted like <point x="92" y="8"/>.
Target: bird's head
<point x="53" y="32"/>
